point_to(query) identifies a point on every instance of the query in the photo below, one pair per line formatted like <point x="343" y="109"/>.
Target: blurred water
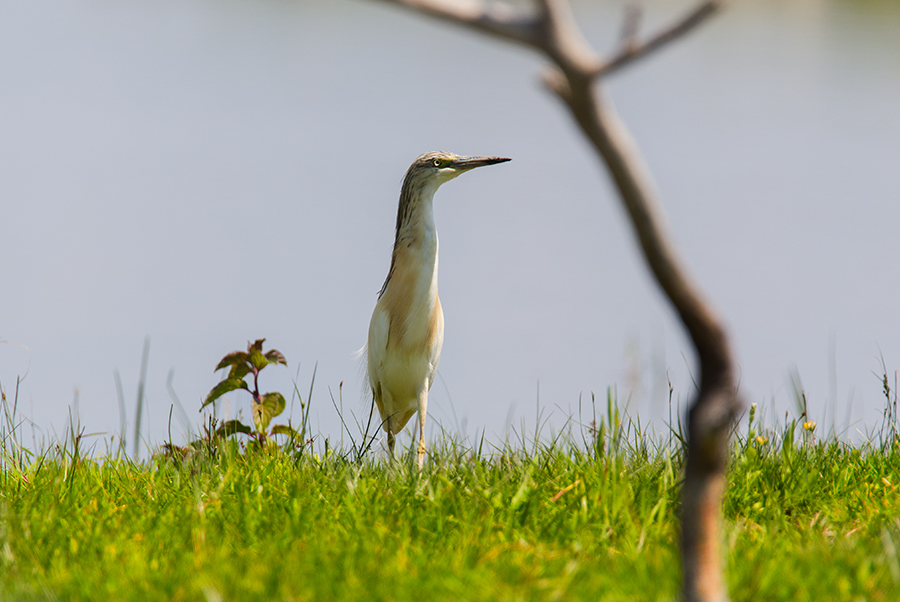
<point x="205" y="173"/>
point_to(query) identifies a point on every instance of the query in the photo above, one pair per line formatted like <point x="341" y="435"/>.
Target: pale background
<point x="209" y="172"/>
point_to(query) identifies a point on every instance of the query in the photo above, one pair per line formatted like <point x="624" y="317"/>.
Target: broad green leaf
<point x="232" y="427"/>
<point x="232" y="358"/>
<point x="283" y="429"/>
<point x="257" y="359"/>
<point x="269" y="406"/>
<point x="239" y="371"/>
<point x="229" y="384"/>
<point x="275" y="357"/>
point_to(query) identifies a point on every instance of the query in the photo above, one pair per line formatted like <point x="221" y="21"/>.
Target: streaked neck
<point x="415" y="219"/>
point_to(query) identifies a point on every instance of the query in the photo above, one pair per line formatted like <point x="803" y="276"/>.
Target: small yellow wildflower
<point x="762" y="440"/>
<point x="809" y="425"/>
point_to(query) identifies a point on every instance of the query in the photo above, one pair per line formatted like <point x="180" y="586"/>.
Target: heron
<point x="407" y="327"/>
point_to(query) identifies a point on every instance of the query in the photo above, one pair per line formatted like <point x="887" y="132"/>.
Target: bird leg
<point x="423" y="405"/>
<point x="390" y="434"/>
<point x="389" y="427"/>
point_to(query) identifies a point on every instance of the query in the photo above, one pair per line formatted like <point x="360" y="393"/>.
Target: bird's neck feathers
<point x="416" y="240"/>
<point x="415" y="218"/>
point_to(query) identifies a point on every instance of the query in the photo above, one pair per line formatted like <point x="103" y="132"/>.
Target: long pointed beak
<point x="467" y="163"/>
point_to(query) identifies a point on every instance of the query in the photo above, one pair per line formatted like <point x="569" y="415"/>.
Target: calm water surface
<point x="205" y="173"/>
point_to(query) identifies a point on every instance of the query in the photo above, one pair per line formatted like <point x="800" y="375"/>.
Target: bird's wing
<point x="434" y="356"/>
<point x="379" y="328"/>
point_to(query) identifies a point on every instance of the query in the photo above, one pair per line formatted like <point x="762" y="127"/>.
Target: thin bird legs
<point x="422" y="410"/>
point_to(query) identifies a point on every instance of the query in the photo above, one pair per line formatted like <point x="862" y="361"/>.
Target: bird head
<point x="437" y="167"/>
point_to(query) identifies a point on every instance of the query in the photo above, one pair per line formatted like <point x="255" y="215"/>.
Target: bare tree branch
<point x="495" y="18"/>
<point x="630" y="25"/>
<point x="576" y="67"/>
<point x="633" y="51"/>
<point x="561" y="39"/>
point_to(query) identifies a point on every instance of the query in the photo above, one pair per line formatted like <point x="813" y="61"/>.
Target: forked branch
<point x="632" y="51"/>
<point x="576" y="68"/>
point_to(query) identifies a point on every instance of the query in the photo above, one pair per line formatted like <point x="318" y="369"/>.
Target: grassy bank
<point x="806" y="520"/>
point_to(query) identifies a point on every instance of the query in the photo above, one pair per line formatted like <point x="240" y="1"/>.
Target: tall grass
<point x="588" y="512"/>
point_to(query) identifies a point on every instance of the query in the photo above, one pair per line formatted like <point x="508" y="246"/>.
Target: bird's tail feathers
<point x="362" y="368"/>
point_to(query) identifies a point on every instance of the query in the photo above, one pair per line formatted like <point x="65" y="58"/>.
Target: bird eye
<point x="436" y="162"/>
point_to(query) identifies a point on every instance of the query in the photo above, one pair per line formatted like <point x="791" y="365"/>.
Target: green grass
<point x="806" y="520"/>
